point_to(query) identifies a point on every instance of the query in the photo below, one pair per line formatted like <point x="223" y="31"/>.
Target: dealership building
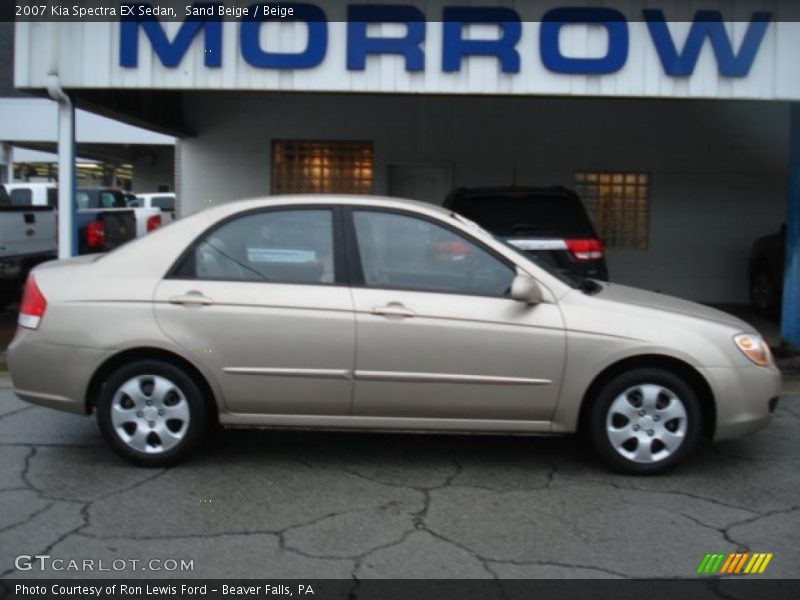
<point x="680" y="130"/>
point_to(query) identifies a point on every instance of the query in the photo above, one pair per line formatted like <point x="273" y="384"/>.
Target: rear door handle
<point x="191" y="299"/>
<point x="394" y="309"/>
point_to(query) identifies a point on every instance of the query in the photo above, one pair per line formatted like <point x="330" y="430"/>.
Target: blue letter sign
<point x="315" y="50"/>
<point x="614" y="22"/>
<point x="504" y="48"/>
<point x="707" y="23"/>
<point x="170" y="53"/>
<point x="359" y="44"/>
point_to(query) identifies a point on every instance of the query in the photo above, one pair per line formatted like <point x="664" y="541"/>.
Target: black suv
<point x="549" y="224"/>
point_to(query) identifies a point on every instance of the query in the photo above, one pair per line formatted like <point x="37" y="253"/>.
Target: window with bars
<point x="618" y="204"/>
<point x="316" y="167"/>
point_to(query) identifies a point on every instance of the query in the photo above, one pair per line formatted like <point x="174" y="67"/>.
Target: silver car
<point x="351" y="312"/>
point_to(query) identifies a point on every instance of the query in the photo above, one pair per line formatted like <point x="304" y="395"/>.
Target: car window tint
<point x="402" y="252"/>
<point x="289" y="246"/>
<point x="21" y="197"/>
<point x="163" y="202"/>
<point x="110" y="200"/>
<point x="52" y="197"/>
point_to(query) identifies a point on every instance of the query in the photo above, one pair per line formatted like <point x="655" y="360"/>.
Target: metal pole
<point x="67" y="225"/>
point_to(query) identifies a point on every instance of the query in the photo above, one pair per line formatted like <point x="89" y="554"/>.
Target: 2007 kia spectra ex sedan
<point x="347" y="312"/>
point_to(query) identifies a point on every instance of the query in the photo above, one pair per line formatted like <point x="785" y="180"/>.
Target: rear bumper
<point x="743" y="398"/>
<point x="68" y="371"/>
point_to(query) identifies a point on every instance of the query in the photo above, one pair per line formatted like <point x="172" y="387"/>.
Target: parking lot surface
<point x="335" y="505"/>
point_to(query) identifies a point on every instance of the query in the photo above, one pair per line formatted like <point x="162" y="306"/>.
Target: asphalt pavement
<point x="267" y="504"/>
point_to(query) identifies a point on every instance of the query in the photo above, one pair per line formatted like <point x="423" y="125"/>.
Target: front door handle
<point x="191" y="299"/>
<point x="394" y="309"/>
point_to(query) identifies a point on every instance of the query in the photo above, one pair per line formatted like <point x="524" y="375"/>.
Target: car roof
<point x="333" y="199"/>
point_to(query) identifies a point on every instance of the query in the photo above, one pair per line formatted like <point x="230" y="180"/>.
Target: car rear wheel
<point x="645" y="421"/>
<point x="151" y="413"/>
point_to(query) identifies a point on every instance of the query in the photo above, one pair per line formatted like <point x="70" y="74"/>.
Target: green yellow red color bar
<point x="734" y="563"/>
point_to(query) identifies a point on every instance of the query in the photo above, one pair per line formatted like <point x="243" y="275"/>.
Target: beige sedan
<point x="346" y="312"/>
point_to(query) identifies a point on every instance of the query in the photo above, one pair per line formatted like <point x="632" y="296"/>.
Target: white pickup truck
<point x="27" y="237"/>
<point x="89" y="201"/>
<point x="162" y="200"/>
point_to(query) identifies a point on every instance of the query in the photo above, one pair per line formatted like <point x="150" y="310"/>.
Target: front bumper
<point x="68" y="371"/>
<point x="742" y="396"/>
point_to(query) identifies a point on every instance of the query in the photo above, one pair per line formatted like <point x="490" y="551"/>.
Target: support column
<point x="67" y="223"/>
<point x="790" y="321"/>
<point x="7" y="162"/>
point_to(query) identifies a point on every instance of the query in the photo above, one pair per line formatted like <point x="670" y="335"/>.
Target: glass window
<point x="163" y="202"/>
<point x="289" y="246"/>
<point x="319" y="167"/>
<point x="402" y="252"/>
<point x="618" y="205"/>
<point x="21" y="197"/>
<point x="52" y="197"/>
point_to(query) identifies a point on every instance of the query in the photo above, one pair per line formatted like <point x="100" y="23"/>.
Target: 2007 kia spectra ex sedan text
<point x="365" y="313"/>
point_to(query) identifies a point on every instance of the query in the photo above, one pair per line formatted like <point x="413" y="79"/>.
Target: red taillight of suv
<point x="33" y="305"/>
<point x="96" y="234"/>
<point x="153" y="222"/>
<point x="591" y="249"/>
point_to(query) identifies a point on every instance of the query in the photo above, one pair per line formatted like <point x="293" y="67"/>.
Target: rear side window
<point x="163" y="202"/>
<point x="21" y="197"/>
<point x="557" y="215"/>
<point x="4" y="199"/>
<point x="52" y="197"/>
<point x="285" y="246"/>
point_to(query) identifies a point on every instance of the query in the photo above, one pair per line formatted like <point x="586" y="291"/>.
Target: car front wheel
<point x="645" y="421"/>
<point x="151" y="413"/>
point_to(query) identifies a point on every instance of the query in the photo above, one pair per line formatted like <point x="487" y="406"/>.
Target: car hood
<point x="653" y="300"/>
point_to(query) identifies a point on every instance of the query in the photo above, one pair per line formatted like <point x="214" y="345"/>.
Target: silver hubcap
<point x="150" y="414"/>
<point x="646" y="423"/>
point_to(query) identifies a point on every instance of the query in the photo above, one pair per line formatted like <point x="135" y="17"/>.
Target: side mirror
<point x="525" y="289"/>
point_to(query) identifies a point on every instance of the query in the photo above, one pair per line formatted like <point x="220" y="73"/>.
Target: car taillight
<point x="33" y="305"/>
<point x="96" y="234"/>
<point x="153" y="222"/>
<point x="591" y="249"/>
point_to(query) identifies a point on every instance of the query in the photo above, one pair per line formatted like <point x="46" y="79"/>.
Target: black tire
<point x="180" y="435"/>
<point x="655" y="427"/>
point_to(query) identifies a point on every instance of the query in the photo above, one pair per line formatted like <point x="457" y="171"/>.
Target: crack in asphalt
<point x="16" y="412"/>
<point x="85" y="508"/>
<point x="548" y="563"/>
<point x="666" y="492"/>
<point x="418" y="517"/>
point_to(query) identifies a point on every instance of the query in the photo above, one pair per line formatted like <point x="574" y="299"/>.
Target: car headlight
<point x="754" y="347"/>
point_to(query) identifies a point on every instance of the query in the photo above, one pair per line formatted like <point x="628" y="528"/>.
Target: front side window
<point x="286" y="246"/>
<point x="403" y="252"/>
